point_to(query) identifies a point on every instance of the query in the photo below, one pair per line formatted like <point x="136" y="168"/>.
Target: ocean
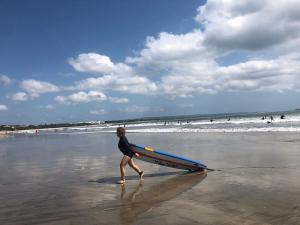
<point x="288" y="121"/>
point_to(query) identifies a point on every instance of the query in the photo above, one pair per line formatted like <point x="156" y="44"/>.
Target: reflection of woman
<point x="125" y="148"/>
<point x="140" y="201"/>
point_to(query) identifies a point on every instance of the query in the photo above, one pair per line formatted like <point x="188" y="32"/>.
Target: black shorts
<point x="128" y="153"/>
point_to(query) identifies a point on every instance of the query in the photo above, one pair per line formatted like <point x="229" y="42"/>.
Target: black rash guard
<point x="124" y="147"/>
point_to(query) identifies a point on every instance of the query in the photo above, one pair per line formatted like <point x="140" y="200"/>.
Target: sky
<point x="76" y="60"/>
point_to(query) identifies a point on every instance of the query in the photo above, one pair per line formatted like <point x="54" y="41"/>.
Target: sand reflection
<point x="138" y="202"/>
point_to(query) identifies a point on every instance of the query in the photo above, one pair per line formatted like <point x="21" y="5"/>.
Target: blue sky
<point x="63" y="61"/>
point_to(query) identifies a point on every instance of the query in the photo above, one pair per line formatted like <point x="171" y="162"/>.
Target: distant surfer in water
<point x="125" y="148"/>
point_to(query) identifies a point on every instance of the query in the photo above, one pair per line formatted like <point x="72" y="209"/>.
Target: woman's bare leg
<point x="123" y="163"/>
<point x="136" y="168"/>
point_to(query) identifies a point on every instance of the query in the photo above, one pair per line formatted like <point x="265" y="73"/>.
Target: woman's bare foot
<point x="141" y="174"/>
<point x="121" y="182"/>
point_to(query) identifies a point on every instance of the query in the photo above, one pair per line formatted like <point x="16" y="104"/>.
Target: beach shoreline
<point x="71" y="179"/>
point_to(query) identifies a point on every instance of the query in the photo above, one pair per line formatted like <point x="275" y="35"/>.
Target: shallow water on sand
<point x="70" y="179"/>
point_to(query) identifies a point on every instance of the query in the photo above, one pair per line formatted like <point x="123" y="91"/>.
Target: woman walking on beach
<point x="125" y="148"/>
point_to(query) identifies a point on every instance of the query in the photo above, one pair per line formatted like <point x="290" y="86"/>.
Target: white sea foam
<point x="177" y="130"/>
<point x="240" y="123"/>
<point x="225" y="121"/>
<point x="225" y="130"/>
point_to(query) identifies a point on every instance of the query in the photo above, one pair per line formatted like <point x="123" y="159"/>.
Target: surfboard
<point x="150" y="155"/>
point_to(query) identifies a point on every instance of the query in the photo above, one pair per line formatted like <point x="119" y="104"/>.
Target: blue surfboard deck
<point x="148" y="154"/>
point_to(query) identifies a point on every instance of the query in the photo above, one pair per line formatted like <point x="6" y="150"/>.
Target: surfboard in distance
<point x="148" y="154"/>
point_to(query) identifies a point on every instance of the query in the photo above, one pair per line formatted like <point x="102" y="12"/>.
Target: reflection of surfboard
<point x="139" y="202"/>
<point x="165" y="159"/>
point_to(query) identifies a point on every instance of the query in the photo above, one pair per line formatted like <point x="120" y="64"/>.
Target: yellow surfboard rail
<point x="149" y="149"/>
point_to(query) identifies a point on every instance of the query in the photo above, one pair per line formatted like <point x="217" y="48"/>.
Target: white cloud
<point x="49" y="106"/>
<point x="182" y="65"/>
<point x="20" y="97"/>
<point x="92" y="63"/>
<point x="35" y="87"/>
<point x="118" y="100"/>
<point x="3" y="108"/>
<point x="186" y="63"/>
<point x="165" y="50"/>
<point x="263" y="75"/>
<point x="99" y="64"/>
<point x="84" y="97"/>
<point x="137" y="109"/>
<point x="98" y="112"/>
<point x="100" y="82"/>
<point x="134" y="85"/>
<point x="81" y="97"/>
<point x="130" y="84"/>
<point x="67" y="74"/>
<point x="5" y="79"/>
<point x="118" y="77"/>
<point x="249" y="25"/>
<point x="61" y="99"/>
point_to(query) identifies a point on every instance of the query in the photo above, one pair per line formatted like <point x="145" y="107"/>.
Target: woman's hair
<point x="121" y="130"/>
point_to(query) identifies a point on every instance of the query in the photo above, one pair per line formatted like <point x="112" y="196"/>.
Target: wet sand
<point x="70" y="179"/>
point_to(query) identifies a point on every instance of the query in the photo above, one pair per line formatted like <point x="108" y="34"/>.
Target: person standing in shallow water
<point x="125" y="148"/>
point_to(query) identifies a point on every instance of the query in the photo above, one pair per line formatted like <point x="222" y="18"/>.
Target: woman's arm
<point x="129" y="145"/>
